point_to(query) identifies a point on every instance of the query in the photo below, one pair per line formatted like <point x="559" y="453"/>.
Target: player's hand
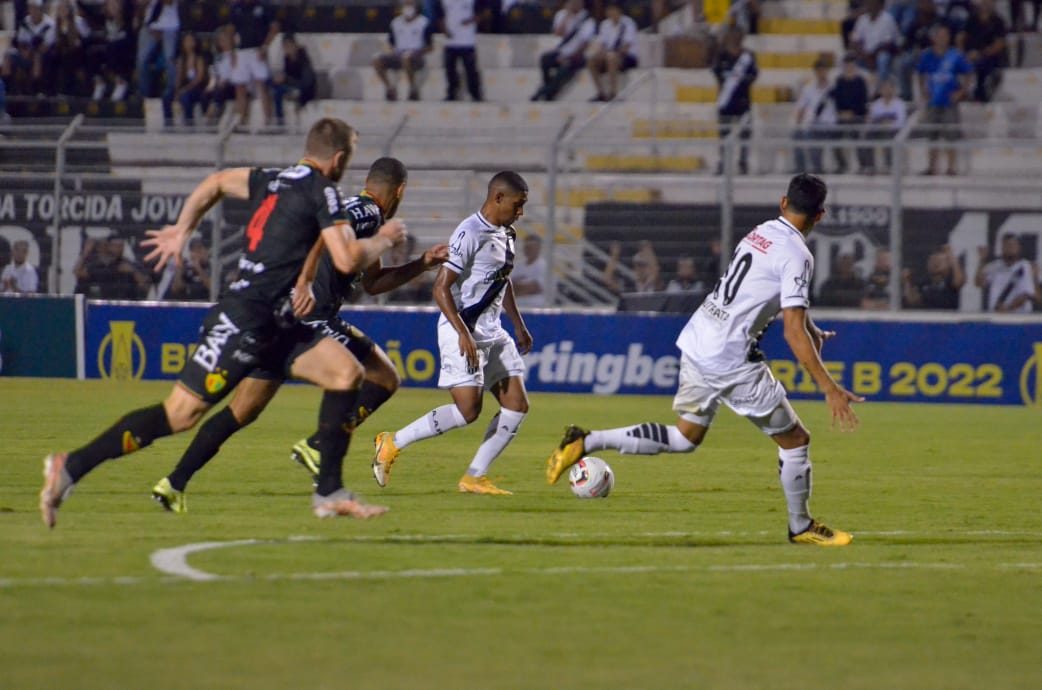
<point x="393" y="230"/>
<point x="469" y="349"/>
<point x="819" y="337"/>
<point x="524" y="341"/>
<point x="168" y="244"/>
<point x="302" y="299"/>
<point x="838" y="399"/>
<point x="436" y="256"/>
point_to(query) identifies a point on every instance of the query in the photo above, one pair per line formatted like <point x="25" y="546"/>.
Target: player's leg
<point x="466" y="386"/>
<point x="251" y="396"/>
<point x="695" y="403"/>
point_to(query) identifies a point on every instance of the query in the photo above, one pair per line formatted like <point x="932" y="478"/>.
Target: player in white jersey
<point x="770" y="271"/>
<point x="473" y="290"/>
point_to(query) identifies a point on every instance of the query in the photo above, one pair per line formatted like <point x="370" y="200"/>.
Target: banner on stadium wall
<point x="633" y="354"/>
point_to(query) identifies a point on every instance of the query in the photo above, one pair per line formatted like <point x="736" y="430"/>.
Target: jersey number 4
<point x="255" y="230"/>
<point x="732" y="280"/>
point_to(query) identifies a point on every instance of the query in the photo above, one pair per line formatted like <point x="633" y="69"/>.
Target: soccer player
<point x="473" y="289"/>
<point x="770" y="270"/>
<point x="384" y="187"/>
<point x="294" y="209"/>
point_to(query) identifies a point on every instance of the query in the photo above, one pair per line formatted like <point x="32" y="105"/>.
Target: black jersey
<point x="291" y="207"/>
<point x="331" y="287"/>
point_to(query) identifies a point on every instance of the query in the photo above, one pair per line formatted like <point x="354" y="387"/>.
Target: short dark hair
<point x="806" y="194"/>
<point x="508" y="179"/>
<point x="329" y="136"/>
<point x="389" y="171"/>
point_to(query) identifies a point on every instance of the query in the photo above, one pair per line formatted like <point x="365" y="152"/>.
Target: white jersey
<point x="409" y="35"/>
<point x="461" y="29"/>
<point x="1007" y="283"/>
<point x="482" y="255"/>
<point x="618" y="38"/>
<point x="770" y="270"/>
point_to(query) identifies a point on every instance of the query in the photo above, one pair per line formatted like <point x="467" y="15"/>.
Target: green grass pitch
<point x="681" y="579"/>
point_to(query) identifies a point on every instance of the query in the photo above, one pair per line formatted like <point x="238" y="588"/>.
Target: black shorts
<point x="295" y="341"/>
<point x="236" y="336"/>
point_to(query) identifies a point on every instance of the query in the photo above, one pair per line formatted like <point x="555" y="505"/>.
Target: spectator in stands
<point x="985" y="46"/>
<point x="410" y="41"/>
<point x="955" y="14"/>
<point x="19" y="275"/>
<point x="529" y="274"/>
<point x="189" y="84"/>
<point x="886" y="117"/>
<point x="104" y="272"/>
<point x="221" y="88"/>
<point x="113" y="59"/>
<point x="940" y="288"/>
<point x="1010" y="280"/>
<point x="709" y="264"/>
<point x="190" y="278"/>
<point x="850" y="94"/>
<point x="69" y="75"/>
<point x="459" y="22"/>
<point x="735" y="70"/>
<point x="1018" y="17"/>
<point x="855" y="8"/>
<point x="844" y="286"/>
<point x="647" y="276"/>
<point x="25" y="65"/>
<point x="686" y="278"/>
<point x="158" y="26"/>
<point x="815" y="118"/>
<point x="915" y="39"/>
<point x="256" y="28"/>
<point x="944" y="80"/>
<point x="877" y="287"/>
<point x="615" y="51"/>
<point x="575" y="29"/>
<point x="875" y="38"/>
<point x="297" y="80"/>
<point x="744" y="14"/>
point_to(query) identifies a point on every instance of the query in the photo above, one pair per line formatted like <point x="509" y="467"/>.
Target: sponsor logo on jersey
<point x="209" y="351"/>
<point x="121" y="355"/>
<point x="332" y="200"/>
<point x="130" y="444"/>
<point x="715" y="312"/>
<point x="216" y="381"/>
<point x="758" y="242"/>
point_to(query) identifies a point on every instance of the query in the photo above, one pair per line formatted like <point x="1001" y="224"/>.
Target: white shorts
<point x="497" y="359"/>
<point x="750" y="390"/>
<point x="249" y="67"/>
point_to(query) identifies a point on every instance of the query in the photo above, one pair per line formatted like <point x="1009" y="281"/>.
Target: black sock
<point x="333" y="438"/>
<point x="204" y="446"/>
<point x="134" y="431"/>
<point x="370" y="398"/>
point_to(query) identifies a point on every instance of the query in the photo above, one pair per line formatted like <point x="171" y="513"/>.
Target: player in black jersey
<point x="296" y="211"/>
<point x="384" y="187"/>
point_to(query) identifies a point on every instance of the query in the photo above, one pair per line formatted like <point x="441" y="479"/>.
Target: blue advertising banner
<point x="952" y="362"/>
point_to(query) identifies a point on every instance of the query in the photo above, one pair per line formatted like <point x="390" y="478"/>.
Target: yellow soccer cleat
<point x="170" y="498"/>
<point x="821" y="535"/>
<point x="386" y="454"/>
<point x="480" y="485"/>
<point x="308" y="457"/>
<point x="569" y="451"/>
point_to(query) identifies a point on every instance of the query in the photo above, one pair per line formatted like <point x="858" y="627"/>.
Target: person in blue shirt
<point x="944" y="81"/>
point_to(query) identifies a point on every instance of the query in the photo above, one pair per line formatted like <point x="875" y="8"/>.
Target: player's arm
<point x="802" y="345"/>
<point x="378" y="278"/>
<point x="169" y="242"/>
<point x="443" y="298"/>
<point x="351" y="255"/>
<point x="524" y="338"/>
<point x="817" y="336"/>
<point x="303" y="297"/>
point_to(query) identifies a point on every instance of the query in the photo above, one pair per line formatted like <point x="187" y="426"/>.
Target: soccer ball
<point x="591" y="478"/>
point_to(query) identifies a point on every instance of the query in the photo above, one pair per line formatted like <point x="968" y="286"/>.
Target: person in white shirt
<point x="1011" y="281"/>
<point x="410" y="40"/>
<point x="815" y="118"/>
<point x="459" y="21"/>
<point x="874" y="39"/>
<point x="19" y="275"/>
<point x="770" y="272"/>
<point x="886" y="116"/>
<point x="473" y="289"/>
<point x="575" y="28"/>
<point x="26" y="62"/>
<point x="529" y="274"/>
<point x="616" y="51"/>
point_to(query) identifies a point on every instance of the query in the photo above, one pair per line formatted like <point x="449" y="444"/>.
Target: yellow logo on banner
<point x="121" y="355"/>
<point x="1031" y="379"/>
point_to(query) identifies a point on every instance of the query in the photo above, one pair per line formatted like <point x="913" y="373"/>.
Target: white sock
<point x="434" y="423"/>
<point x="644" y="439"/>
<point x="501" y="431"/>
<point x="794" y="470"/>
